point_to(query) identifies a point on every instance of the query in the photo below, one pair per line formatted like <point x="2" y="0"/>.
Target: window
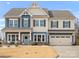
<point x="66" y="24"/>
<point x="36" y="22"/>
<point x="42" y="23"/>
<point x="35" y="38"/>
<point x="10" y="23"/>
<point x="25" y="22"/>
<point x="39" y="38"/>
<point x="43" y="38"/>
<point x="54" y="24"/>
<point x="52" y="36"/>
<point x="62" y="36"/>
<point x="13" y="37"/>
<point x="17" y="37"/>
<point x="15" y="23"/>
<point x="57" y="36"/>
<point x="9" y="37"/>
<point x="67" y="36"/>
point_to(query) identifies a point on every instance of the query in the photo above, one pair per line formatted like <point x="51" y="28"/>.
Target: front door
<point x="26" y="39"/>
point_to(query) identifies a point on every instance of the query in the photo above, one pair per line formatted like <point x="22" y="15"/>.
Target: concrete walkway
<point x="67" y="51"/>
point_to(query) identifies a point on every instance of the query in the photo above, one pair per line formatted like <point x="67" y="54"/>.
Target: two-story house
<point x="35" y="24"/>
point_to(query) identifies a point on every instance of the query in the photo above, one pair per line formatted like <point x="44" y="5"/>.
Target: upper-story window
<point x="66" y="24"/>
<point x="36" y="22"/>
<point x="39" y="23"/>
<point x="42" y="23"/>
<point x="13" y="23"/>
<point x="54" y="24"/>
<point x="25" y="22"/>
<point x="10" y="23"/>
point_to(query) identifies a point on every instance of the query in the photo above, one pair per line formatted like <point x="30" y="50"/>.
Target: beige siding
<point x="60" y="25"/>
<point x="40" y="29"/>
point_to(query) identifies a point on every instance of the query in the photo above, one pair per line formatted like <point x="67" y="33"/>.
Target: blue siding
<point x="6" y="22"/>
<point x="26" y="16"/>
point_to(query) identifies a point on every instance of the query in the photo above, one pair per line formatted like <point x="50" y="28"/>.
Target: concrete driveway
<point x="67" y="51"/>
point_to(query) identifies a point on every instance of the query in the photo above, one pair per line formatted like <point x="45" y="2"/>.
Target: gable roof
<point x="37" y="11"/>
<point x="55" y="14"/>
<point x="61" y="14"/>
<point x="14" y="12"/>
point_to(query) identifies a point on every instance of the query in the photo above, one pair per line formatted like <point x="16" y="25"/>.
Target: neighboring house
<point x="35" y="24"/>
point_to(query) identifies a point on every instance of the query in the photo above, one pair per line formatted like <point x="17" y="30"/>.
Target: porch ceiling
<point x="16" y="30"/>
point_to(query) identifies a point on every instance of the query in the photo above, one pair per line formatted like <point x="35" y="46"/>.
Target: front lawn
<point x="28" y="52"/>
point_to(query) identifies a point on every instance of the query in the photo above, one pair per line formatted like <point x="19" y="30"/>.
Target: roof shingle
<point x="61" y="14"/>
<point x="14" y="12"/>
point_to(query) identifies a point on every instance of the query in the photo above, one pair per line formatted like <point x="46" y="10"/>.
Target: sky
<point x="5" y="6"/>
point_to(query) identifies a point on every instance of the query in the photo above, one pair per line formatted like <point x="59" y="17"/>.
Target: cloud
<point x="8" y="3"/>
<point x="2" y="25"/>
<point x="1" y="20"/>
<point x="76" y="13"/>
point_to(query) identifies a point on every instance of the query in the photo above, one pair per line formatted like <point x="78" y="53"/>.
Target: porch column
<point x="73" y="38"/>
<point x="19" y="37"/>
<point x="30" y="38"/>
<point x="15" y="39"/>
<point x="2" y="37"/>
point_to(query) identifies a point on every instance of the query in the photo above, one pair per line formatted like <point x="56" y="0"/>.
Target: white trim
<point x="11" y="37"/>
<point x="19" y="35"/>
<point x="13" y="22"/>
<point x="37" y="37"/>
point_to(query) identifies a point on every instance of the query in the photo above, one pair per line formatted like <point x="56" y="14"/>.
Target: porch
<point x="17" y="35"/>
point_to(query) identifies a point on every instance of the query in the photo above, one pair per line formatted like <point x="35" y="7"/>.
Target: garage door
<point x="60" y="40"/>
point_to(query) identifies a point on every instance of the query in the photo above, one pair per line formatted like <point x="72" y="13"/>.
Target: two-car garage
<point x="60" y="39"/>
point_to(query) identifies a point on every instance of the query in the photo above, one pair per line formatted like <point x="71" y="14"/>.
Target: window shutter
<point x="69" y="24"/>
<point x="63" y="24"/>
<point x="51" y="24"/>
<point x="44" y="23"/>
<point x="57" y="24"/>
<point x="34" y="23"/>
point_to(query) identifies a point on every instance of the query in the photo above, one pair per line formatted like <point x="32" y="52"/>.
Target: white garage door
<point x="60" y="40"/>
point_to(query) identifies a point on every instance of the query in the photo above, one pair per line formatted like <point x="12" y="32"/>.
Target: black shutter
<point x="69" y="24"/>
<point x="63" y="24"/>
<point x="51" y="24"/>
<point x="57" y="24"/>
<point x="34" y="23"/>
<point x="44" y="23"/>
<point x="18" y="22"/>
<point x="22" y="22"/>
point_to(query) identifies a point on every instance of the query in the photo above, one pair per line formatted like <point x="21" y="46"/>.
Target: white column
<point x="10" y="37"/>
<point x="30" y="39"/>
<point x="36" y="37"/>
<point x="15" y="39"/>
<point x="73" y="38"/>
<point x="30" y="35"/>
<point x="7" y="38"/>
<point x="19" y="35"/>
<point x="2" y="37"/>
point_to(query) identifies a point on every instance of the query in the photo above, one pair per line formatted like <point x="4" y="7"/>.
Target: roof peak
<point x="34" y="4"/>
